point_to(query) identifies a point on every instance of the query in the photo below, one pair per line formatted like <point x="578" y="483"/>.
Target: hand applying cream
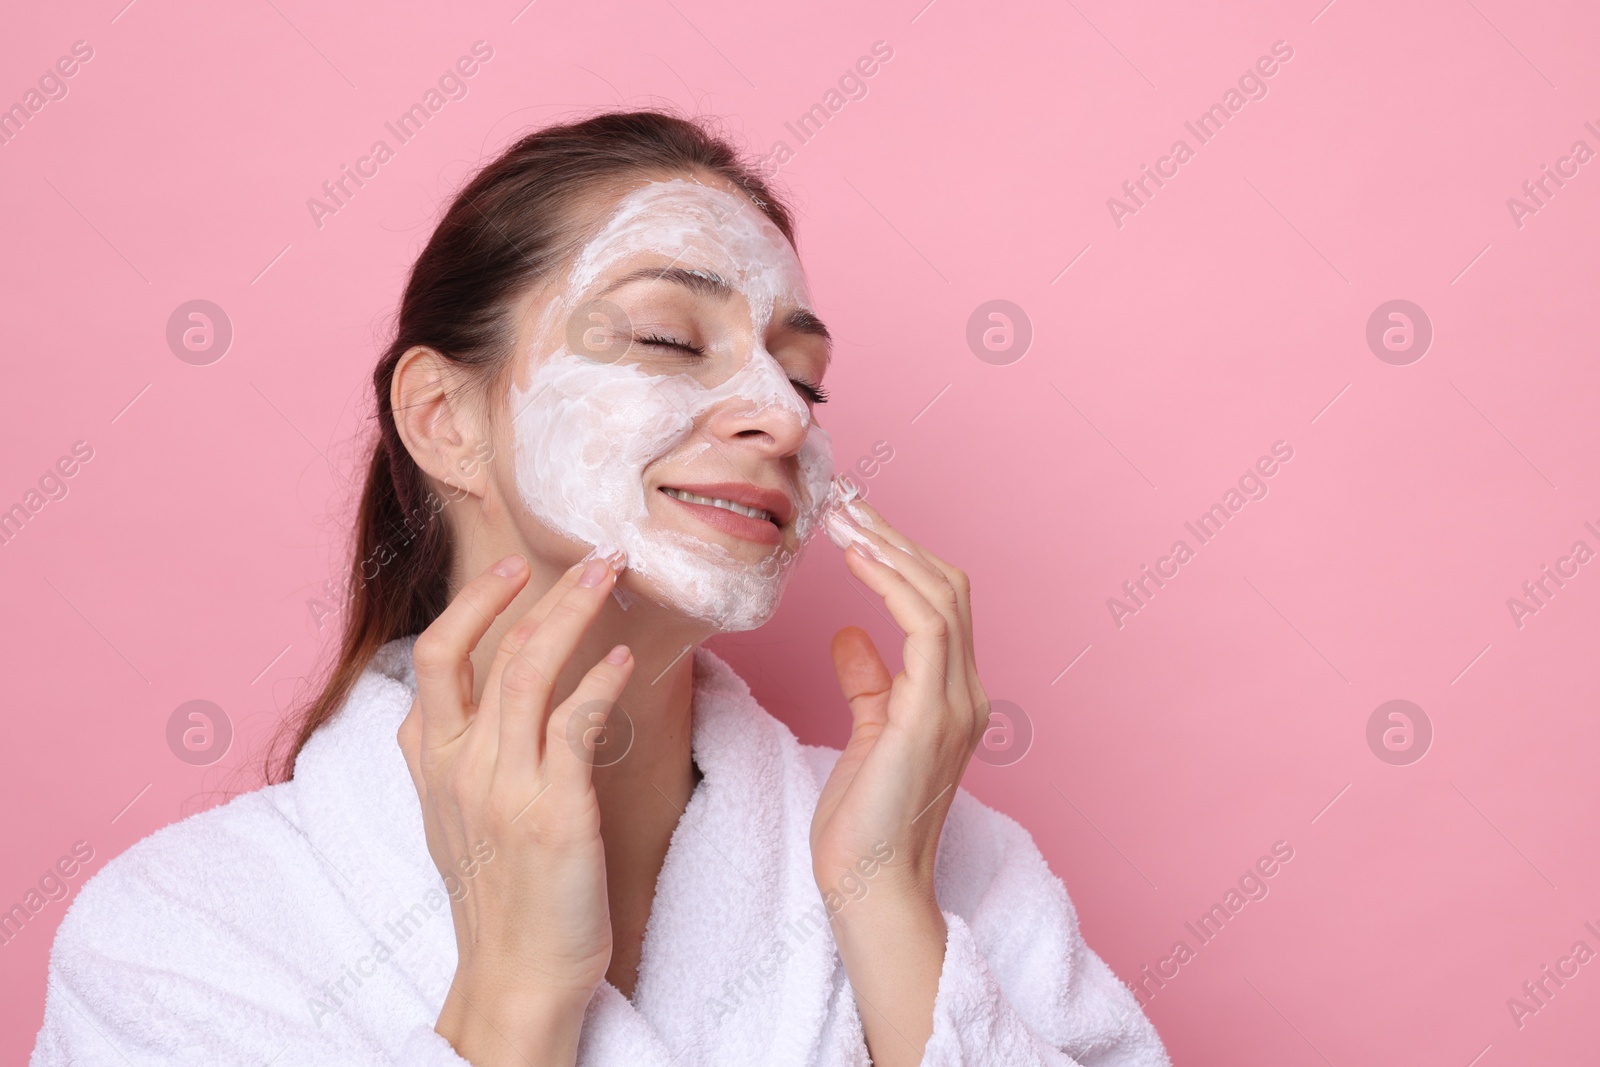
<point x="843" y="519"/>
<point x="912" y="735"/>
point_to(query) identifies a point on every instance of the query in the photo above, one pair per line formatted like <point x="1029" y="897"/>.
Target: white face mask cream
<point x="587" y="430"/>
<point x="842" y="497"/>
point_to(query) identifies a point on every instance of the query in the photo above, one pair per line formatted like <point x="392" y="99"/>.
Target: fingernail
<point x="615" y="557"/>
<point x="618" y="655"/>
<point x="594" y="573"/>
<point x="867" y="550"/>
<point x="838" y="529"/>
<point x="509" y="566"/>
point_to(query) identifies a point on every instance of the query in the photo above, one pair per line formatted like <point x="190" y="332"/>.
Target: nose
<point x="759" y="408"/>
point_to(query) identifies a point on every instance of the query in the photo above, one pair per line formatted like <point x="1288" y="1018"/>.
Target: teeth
<point x="726" y="505"/>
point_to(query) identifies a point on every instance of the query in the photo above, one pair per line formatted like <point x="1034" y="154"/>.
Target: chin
<point x="706" y="582"/>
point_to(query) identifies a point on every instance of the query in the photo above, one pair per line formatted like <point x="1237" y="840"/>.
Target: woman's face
<point x="663" y="403"/>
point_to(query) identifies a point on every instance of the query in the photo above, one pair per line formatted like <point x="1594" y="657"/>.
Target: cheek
<point x="815" y="472"/>
<point x="584" y="433"/>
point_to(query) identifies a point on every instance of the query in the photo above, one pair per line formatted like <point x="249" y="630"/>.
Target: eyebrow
<point x="709" y="284"/>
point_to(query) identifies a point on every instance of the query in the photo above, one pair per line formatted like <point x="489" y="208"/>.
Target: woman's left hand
<point x="913" y="734"/>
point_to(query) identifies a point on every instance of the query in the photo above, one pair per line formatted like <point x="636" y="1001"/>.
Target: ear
<point x="447" y="437"/>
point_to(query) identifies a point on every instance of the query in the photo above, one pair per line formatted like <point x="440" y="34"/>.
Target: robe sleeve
<point x="153" y="966"/>
<point x="133" y="1017"/>
<point x="1019" y="986"/>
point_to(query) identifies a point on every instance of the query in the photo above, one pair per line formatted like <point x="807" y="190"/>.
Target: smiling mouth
<point x="726" y="505"/>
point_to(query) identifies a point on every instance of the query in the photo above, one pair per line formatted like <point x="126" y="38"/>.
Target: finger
<point x="883" y="527"/>
<point x="442" y="653"/>
<point x="568" y="580"/>
<point x="907" y="557"/>
<point x="934" y="586"/>
<point x="963" y="586"/>
<point x="968" y="649"/>
<point x="511" y="643"/>
<point x="530" y="675"/>
<point x="926" y="652"/>
<point x="580" y="726"/>
<point x="863" y="677"/>
<point x="867" y="517"/>
<point x="964" y="650"/>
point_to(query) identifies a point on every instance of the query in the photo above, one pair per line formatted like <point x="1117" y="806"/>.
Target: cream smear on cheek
<point x="586" y="431"/>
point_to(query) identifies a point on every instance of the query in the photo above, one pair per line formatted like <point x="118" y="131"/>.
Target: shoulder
<point x="185" y="890"/>
<point x="194" y="945"/>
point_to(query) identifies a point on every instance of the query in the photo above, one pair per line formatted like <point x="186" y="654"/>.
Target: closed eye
<point x="667" y="342"/>
<point x="815" y="393"/>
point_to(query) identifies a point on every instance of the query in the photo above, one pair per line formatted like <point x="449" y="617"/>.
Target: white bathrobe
<point x="305" y="924"/>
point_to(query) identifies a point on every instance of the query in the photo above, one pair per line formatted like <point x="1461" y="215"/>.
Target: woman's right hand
<point x="533" y="925"/>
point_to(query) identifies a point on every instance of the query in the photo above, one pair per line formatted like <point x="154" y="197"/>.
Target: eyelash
<point x="816" y="393"/>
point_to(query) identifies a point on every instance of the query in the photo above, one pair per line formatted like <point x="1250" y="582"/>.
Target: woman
<point x="599" y="447"/>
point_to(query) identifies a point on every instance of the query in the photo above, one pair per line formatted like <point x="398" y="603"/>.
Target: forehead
<point x="694" y="226"/>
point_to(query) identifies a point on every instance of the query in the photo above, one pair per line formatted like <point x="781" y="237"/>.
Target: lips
<point x="736" y="508"/>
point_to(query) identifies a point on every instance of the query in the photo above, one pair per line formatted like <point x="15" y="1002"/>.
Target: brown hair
<point x="507" y="230"/>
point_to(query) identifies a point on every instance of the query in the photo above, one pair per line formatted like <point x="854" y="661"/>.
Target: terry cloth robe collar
<point x="738" y="964"/>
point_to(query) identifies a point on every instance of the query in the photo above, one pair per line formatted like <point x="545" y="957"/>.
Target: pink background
<point x="1230" y="312"/>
